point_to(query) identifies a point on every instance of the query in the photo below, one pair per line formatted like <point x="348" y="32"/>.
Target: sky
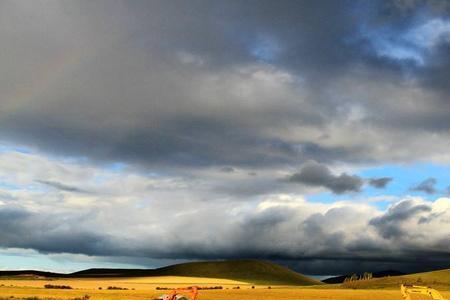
<point x="315" y="134"/>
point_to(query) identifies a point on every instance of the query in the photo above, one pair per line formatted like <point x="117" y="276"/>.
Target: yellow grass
<point x="138" y="283"/>
<point x="244" y="294"/>
<point x="145" y="289"/>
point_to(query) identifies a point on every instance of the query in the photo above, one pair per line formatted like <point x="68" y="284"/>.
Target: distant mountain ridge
<point x="32" y="273"/>
<point x="380" y="274"/>
<point x="252" y="271"/>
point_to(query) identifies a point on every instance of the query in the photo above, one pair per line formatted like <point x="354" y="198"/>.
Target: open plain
<point x="146" y="288"/>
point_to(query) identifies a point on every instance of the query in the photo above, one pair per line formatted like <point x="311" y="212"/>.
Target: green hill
<point x="252" y="271"/>
<point x="438" y="279"/>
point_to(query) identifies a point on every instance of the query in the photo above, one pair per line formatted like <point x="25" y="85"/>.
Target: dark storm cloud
<point x="296" y="233"/>
<point x="381" y="182"/>
<point x="315" y="174"/>
<point x="202" y="83"/>
<point x="403" y="18"/>
<point x="154" y="112"/>
<point x="50" y="233"/>
<point x="351" y="266"/>
<point x="62" y="186"/>
<point x="427" y="186"/>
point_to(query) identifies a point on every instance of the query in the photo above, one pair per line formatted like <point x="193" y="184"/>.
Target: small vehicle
<point x="176" y="294"/>
<point x="407" y="290"/>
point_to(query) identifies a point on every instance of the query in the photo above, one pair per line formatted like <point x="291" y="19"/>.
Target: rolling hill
<point x="340" y="279"/>
<point x="252" y="271"/>
<point x="438" y="279"/>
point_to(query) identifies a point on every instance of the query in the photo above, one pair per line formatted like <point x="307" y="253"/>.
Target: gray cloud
<point x="227" y="169"/>
<point x="404" y="7"/>
<point x="315" y="174"/>
<point x="389" y="225"/>
<point x="179" y="91"/>
<point x="281" y="229"/>
<point x="47" y="233"/>
<point x="380" y="182"/>
<point x="131" y="85"/>
<point x="62" y="186"/>
<point x="427" y="186"/>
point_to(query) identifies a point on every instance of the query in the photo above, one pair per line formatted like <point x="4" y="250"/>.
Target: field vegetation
<point x="254" y="271"/>
<point x="241" y="283"/>
<point x="244" y="293"/>
<point x="147" y="289"/>
<point x="436" y="279"/>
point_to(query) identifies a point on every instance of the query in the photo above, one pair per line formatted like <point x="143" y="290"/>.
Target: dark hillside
<point x="252" y="271"/>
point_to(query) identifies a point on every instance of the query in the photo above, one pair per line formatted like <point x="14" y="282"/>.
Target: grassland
<point x="252" y="271"/>
<point x="145" y="288"/>
<point x="137" y="288"/>
<point x="136" y="283"/>
<point x="244" y="293"/>
<point x="436" y="279"/>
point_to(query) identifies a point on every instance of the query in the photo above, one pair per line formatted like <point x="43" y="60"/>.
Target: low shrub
<point x="116" y="288"/>
<point x="54" y="286"/>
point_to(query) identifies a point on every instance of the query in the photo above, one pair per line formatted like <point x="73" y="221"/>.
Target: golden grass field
<point x="145" y="288"/>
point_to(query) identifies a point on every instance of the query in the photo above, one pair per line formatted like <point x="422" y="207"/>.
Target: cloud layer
<point x="122" y="214"/>
<point x="113" y="81"/>
<point x="247" y="124"/>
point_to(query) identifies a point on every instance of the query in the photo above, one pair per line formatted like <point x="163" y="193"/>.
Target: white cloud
<point x="126" y="213"/>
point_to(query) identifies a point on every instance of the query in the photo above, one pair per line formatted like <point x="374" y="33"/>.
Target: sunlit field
<point x="136" y="283"/>
<point x="145" y="288"/>
<point x="243" y="293"/>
